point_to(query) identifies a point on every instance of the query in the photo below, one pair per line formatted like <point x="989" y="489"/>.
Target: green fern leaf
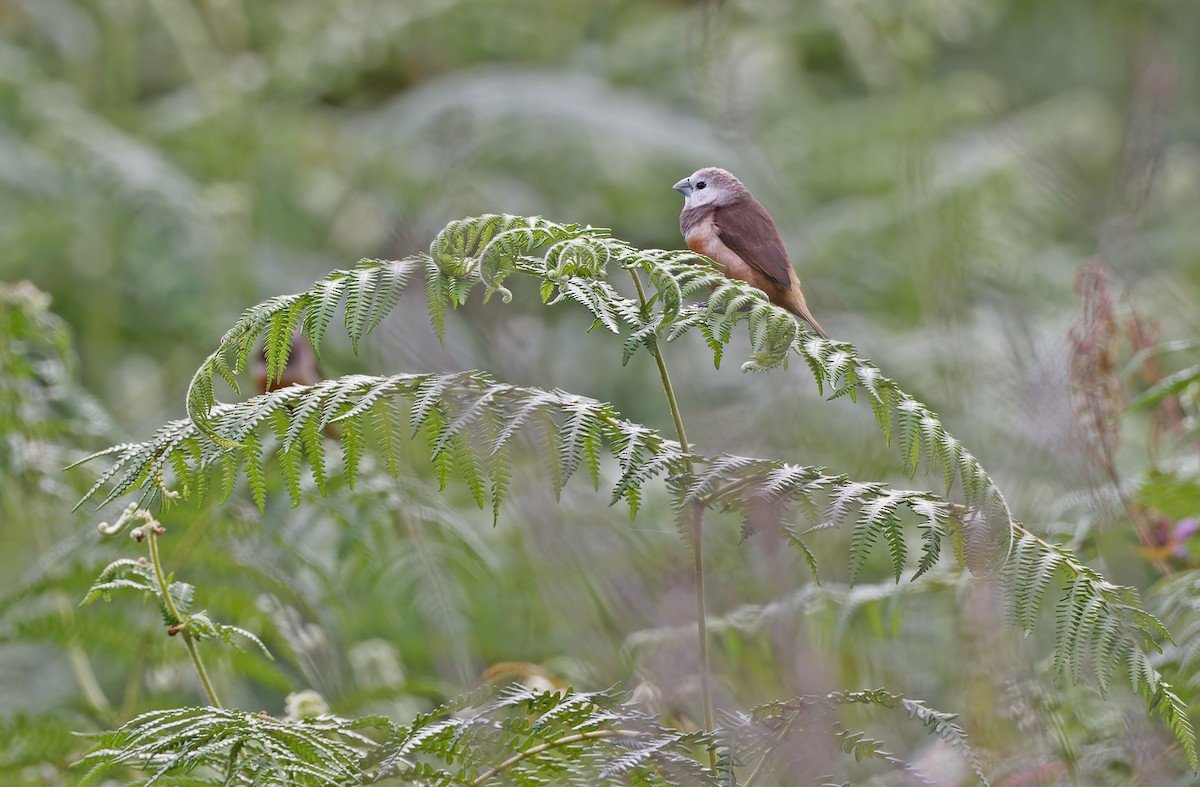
<point x="386" y="423"/>
<point x="391" y="280"/>
<point x="253" y="468"/>
<point x="360" y="296"/>
<point x="933" y="531"/>
<point x="353" y="445"/>
<point x="324" y="299"/>
<point x="280" y="333"/>
<point x="289" y="458"/>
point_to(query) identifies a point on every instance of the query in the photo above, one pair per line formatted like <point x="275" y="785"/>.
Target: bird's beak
<point x="684" y="187"/>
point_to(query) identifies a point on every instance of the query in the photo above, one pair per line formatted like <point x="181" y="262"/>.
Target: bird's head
<point x="709" y="186"/>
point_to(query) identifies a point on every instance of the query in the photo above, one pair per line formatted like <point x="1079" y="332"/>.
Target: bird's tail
<point x="798" y="307"/>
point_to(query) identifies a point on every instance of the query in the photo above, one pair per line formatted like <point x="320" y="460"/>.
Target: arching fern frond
<point x="469" y="421"/>
<point x="572" y="263"/>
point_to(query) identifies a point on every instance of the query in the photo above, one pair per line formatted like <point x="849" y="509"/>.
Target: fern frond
<point x="469" y="420"/>
<point x="569" y="263"/>
<point x="1159" y="694"/>
<point x="238" y="747"/>
<point x="522" y="736"/>
<point x="488" y="249"/>
<point x="1099" y="626"/>
<point x="127" y="574"/>
<point x="759" y="736"/>
<point x="937" y="722"/>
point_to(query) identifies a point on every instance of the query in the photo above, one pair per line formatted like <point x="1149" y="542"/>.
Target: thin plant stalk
<point x="152" y="533"/>
<point x="694" y="521"/>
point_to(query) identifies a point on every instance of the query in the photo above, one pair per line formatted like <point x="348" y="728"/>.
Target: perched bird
<point x="301" y="368"/>
<point x="723" y="221"/>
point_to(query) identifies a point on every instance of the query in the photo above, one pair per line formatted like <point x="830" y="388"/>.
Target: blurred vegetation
<point x="941" y="170"/>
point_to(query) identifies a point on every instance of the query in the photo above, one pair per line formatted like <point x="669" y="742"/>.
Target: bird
<point x="722" y="220"/>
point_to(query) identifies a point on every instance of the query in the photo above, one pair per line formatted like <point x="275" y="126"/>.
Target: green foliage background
<point x="940" y="169"/>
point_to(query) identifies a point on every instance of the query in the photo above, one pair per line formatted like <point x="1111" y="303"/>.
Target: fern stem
<point x="533" y="751"/>
<point x="190" y="642"/>
<point x="702" y="623"/>
<point x="152" y="533"/>
<point x="694" y="521"/>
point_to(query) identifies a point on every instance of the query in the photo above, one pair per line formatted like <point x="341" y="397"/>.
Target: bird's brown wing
<point x="748" y="231"/>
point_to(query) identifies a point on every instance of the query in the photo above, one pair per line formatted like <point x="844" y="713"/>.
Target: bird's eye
<point x="701" y="185"/>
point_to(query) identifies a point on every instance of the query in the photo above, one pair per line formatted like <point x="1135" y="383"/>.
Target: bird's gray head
<point x="709" y="186"/>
